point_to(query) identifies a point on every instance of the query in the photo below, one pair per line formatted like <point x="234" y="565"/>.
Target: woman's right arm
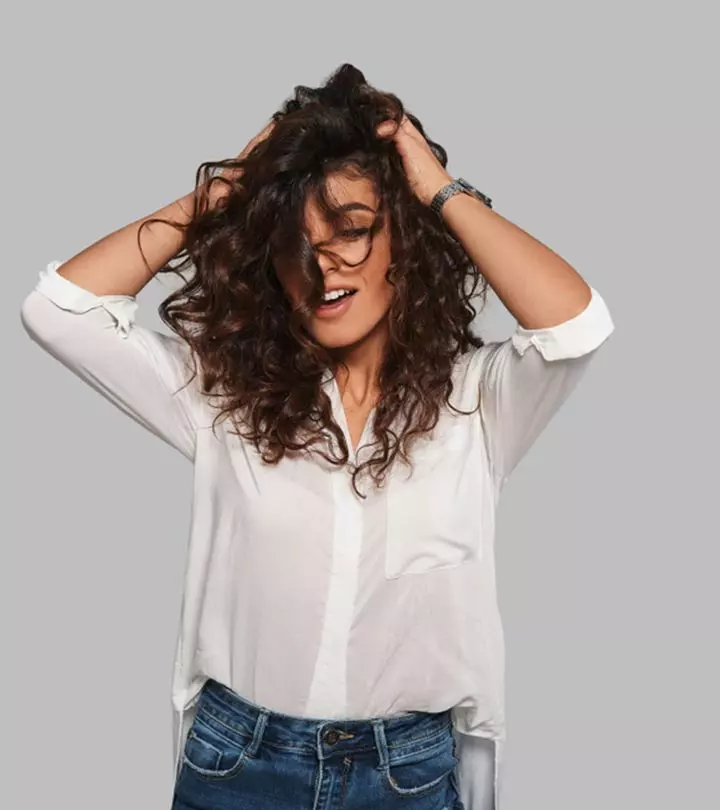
<point x="114" y="265"/>
<point x="82" y="313"/>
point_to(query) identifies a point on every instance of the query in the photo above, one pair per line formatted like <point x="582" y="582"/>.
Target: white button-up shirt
<point x="301" y="596"/>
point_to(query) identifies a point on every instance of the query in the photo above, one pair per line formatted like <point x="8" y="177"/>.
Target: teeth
<point x="333" y="295"/>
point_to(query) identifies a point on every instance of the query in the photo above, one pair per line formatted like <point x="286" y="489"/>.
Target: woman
<point x="340" y="642"/>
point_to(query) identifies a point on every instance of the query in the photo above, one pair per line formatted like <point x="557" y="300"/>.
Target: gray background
<point x="592" y="126"/>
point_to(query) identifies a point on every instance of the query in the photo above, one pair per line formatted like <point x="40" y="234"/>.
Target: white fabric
<point x="302" y="597"/>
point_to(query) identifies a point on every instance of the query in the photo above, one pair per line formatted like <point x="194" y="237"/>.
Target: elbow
<point x="28" y="316"/>
<point x="579" y="336"/>
<point x="36" y="319"/>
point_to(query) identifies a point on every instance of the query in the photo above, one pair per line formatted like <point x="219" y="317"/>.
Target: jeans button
<point x="331" y="737"/>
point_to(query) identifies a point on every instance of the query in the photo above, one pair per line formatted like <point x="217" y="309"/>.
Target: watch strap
<point x="457" y="186"/>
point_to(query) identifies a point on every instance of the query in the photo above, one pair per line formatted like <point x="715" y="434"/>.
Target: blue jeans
<point x="240" y="756"/>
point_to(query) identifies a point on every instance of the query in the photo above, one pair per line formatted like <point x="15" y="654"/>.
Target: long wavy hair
<point x="258" y="364"/>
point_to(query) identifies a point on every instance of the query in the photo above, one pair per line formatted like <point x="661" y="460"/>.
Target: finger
<point x="268" y="129"/>
<point x="385" y="129"/>
<point x="417" y="136"/>
<point x="412" y="130"/>
<point x="262" y="135"/>
<point x="409" y="130"/>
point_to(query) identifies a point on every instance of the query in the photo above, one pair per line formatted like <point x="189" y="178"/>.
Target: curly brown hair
<point x="257" y="361"/>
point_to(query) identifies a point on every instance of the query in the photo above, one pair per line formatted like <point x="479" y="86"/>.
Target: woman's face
<point x="358" y="296"/>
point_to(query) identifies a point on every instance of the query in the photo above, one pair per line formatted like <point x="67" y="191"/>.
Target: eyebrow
<point x="351" y="206"/>
<point x="356" y="206"/>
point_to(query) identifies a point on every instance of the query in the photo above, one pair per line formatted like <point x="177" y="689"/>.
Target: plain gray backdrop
<point x="593" y="126"/>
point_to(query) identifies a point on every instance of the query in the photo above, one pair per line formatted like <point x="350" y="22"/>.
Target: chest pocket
<point x="434" y="514"/>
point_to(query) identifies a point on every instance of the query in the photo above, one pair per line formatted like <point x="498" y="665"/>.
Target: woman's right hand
<point x="233" y="173"/>
<point x="218" y="191"/>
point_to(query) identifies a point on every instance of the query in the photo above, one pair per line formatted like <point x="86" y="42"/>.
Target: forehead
<point x="342" y="189"/>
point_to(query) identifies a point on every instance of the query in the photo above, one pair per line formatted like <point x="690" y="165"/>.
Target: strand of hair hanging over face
<point x="258" y="366"/>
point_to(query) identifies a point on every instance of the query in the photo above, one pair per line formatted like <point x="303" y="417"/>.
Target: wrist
<point x="457" y="187"/>
<point x="433" y="187"/>
<point x="215" y="192"/>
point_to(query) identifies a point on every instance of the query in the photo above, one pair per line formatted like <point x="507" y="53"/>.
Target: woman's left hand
<point x="424" y="171"/>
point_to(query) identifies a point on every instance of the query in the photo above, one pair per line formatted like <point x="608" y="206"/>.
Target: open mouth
<point x="338" y="295"/>
<point x="336" y="301"/>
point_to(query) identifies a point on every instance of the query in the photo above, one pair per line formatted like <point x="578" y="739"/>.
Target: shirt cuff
<point x="574" y="338"/>
<point x="70" y="296"/>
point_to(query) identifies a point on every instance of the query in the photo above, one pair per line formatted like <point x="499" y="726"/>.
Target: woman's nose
<point x="327" y="262"/>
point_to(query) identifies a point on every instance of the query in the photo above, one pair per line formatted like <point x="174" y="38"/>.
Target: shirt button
<point x="331" y="737"/>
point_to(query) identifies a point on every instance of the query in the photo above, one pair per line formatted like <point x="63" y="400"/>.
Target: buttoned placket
<point x="329" y="683"/>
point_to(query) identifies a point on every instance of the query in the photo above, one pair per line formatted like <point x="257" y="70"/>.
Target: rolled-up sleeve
<point x="141" y="371"/>
<point x="525" y="379"/>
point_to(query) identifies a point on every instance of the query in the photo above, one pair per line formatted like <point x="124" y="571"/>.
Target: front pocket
<point x="421" y="771"/>
<point x="212" y="755"/>
<point x="434" y="511"/>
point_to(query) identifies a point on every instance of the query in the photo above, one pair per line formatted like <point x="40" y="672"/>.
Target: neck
<point x="357" y="370"/>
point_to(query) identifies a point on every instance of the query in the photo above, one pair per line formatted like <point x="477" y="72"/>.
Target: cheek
<point x="378" y="284"/>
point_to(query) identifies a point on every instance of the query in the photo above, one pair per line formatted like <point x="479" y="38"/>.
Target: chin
<point x="337" y="340"/>
<point x="344" y="337"/>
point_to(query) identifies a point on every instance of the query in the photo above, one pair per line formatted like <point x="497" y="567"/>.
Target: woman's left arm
<point x="538" y="287"/>
<point x="525" y="379"/>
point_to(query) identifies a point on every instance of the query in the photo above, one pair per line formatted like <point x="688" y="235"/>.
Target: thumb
<point x="386" y="129"/>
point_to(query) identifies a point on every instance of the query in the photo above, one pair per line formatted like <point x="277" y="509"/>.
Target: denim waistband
<point x="238" y="719"/>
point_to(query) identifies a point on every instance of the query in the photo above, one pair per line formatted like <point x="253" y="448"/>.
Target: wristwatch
<point x="457" y="186"/>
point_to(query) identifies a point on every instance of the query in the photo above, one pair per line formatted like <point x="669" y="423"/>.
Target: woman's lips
<point x="336" y="308"/>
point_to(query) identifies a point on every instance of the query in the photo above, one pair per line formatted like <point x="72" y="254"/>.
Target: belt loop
<point x="380" y="740"/>
<point x="259" y="731"/>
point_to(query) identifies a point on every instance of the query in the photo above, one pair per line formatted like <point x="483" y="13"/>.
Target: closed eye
<point x="355" y="232"/>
